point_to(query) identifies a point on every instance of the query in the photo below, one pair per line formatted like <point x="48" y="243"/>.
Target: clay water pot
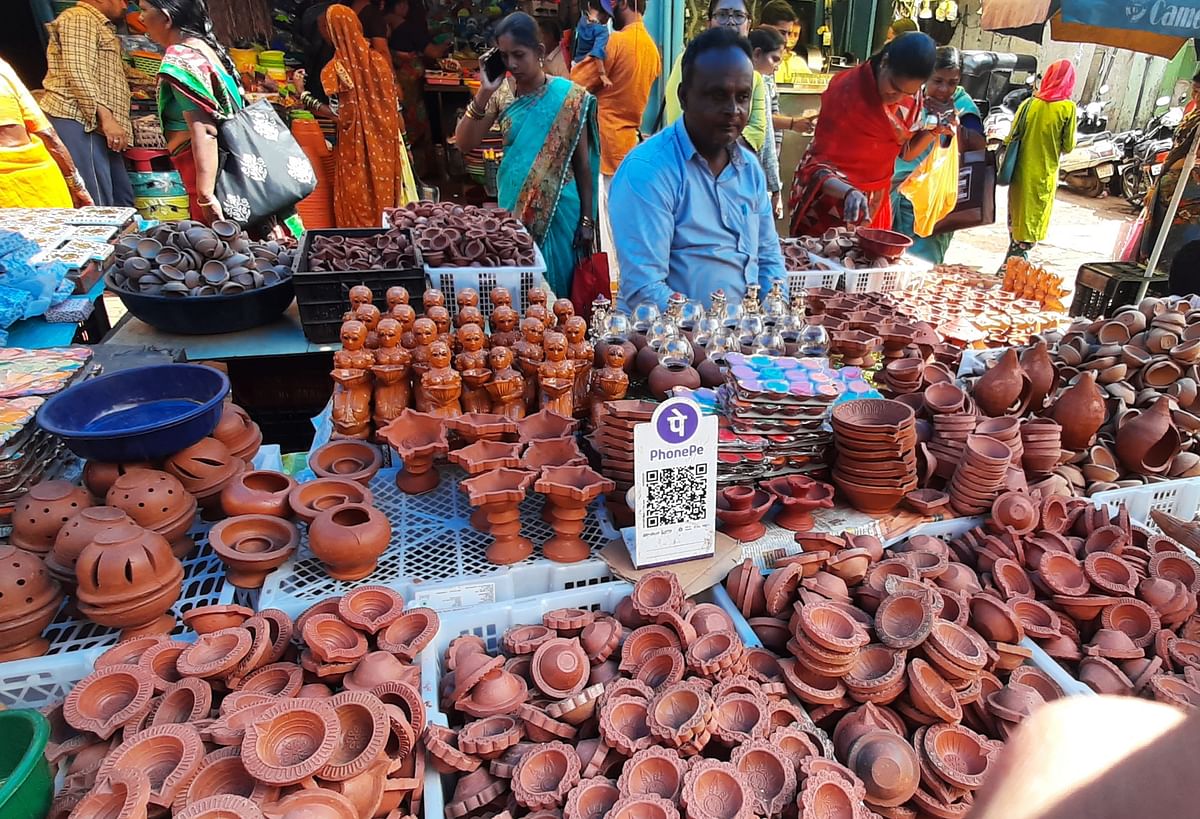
<point x="128" y="579"/>
<point x="77" y="533"/>
<point x="310" y="499"/>
<point x="258" y="492"/>
<point x="1147" y="444"/>
<point x="348" y="539"/>
<point x="351" y="460"/>
<point x="1005" y="388"/>
<point x="32" y="598"/>
<point x="252" y="546"/>
<point x="741" y="510"/>
<point x="1080" y="411"/>
<point x="418" y="437"/>
<point x="40" y="513"/>
<point x="569" y="490"/>
<point x="499" y="494"/>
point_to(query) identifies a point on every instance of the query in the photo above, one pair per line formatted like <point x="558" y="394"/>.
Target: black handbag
<point x="976" y="205"/>
<point x="262" y="169"/>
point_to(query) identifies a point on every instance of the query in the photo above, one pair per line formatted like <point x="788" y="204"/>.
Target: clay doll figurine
<point x="396" y="295"/>
<point x="352" y="383"/>
<point x="360" y="294"/>
<point x="500" y="297"/>
<point x="610" y="382"/>
<point x="469" y="315"/>
<point x="405" y="315"/>
<point x="424" y="334"/>
<point x="472" y="362"/>
<point x="433" y="298"/>
<point x="392" y="389"/>
<point x="529" y="355"/>
<point x="563" y="310"/>
<point x="467" y="297"/>
<point x="369" y="315"/>
<point x="556" y="376"/>
<point x="537" y="295"/>
<point x="442" y="384"/>
<point x="441" y="319"/>
<point x="579" y="351"/>
<point x="507" y="387"/>
<point x="504" y="327"/>
<point x="541" y="313"/>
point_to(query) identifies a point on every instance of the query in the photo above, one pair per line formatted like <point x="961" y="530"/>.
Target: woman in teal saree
<point x="549" y="174"/>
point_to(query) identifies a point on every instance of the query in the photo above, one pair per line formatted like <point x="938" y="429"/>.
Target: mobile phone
<point x="493" y="65"/>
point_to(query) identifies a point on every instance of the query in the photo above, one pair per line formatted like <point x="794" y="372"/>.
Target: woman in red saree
<point x="871" y="115"/>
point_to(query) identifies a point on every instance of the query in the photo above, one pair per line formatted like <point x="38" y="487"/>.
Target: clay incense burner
<point x="799" y="496"/>
<point x="418" y="437"/>
<point x="252" y="546"/>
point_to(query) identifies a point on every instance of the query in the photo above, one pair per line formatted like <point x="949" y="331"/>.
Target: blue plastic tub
<point x="138" y="414"/>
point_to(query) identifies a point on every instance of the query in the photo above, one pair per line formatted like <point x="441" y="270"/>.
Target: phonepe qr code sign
<point x="675" y="466"/>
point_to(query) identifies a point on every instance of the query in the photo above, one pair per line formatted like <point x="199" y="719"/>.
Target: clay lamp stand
<point x="500" y="493"/>
<point x="800" y="496"/>
<point x="741" y="510"/>
<point x="348" y="459"/>
<point x="569" y="490"/>
<point x="545" y="425"/>
<point x="555" y="452"/>
<point x="481" y="426"/>
<point x="418" y="437"/>
<point x="259" y="492"/>
<point x="484" y="456"/>
<point x="252" y="546"/>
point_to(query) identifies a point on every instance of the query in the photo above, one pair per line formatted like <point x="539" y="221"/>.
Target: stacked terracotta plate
<point x="979" y="476"/>
<point x="876" y="443"/>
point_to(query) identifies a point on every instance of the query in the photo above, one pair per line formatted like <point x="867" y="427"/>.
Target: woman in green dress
<point x="1045" y="125"/>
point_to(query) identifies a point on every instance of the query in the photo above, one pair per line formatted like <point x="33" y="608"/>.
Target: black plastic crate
<point x="1102" y="287"/>
<point x="323" y="298"/>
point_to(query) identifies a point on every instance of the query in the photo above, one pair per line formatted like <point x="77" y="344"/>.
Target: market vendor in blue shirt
<point x="689" y="207"/>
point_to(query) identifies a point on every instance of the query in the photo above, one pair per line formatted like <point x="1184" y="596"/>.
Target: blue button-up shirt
<point x="678" y="228"/>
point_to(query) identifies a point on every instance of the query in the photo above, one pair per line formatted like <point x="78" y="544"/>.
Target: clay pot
<point x="1005" y="388"/>
<point x="1080" y="411"/>
<point x="158" y="502"/>
<point x="291" y="741"/>
<point x="128" y="579"/>
<point x="418" y="437"/>
<point x="252" y="546"/>
<point x="34" y="598"/>
<point x="348" y="539"/>
<point x="310" y="499"/>
<point x="258" y="492"/>
<point x="1148" y="444"/>
<point x="351" y="460"/>
<point x="544" y="775"/>
<point x="204" y="469"/>
<point x="99" y="476"/>
<point x="77" y="533"/>
<point x="238" y="432"/>
<point x="40" y="513"/>
<point x="888" y="767"/>
<point x="409" y="634"/>
<point x="569" y="490"/>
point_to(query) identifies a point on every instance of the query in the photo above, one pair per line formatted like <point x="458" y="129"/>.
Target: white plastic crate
<point x="436" y="558"/>
<point x="828" y="274"/>
<point x="40" y="681"/>
<point x="1180" y="498"/>
<point x="518" y="280"/>
<point x="880" y="280"/>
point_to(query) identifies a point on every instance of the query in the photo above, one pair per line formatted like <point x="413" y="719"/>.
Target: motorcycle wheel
<point x="1131" y="186"/>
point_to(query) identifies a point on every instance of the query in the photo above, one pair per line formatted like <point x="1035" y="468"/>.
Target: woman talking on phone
<point x="548" y="176"/>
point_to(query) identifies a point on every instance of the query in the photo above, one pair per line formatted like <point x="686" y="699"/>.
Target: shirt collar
<point x="688" y="149"/>
<point x="99" y="15"/>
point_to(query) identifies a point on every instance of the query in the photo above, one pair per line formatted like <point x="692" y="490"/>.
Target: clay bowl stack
<point x="613" y="439"/>
<point x="980" y="475"/>
<point x="654" y="709"/>
<point x="1113" y="603"/>
<point x="236" y="715"/>
<point x="876" y="441"/>
<point x="914" y="663"/>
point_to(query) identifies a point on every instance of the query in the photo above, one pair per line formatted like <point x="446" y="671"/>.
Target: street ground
<point x="1081" y="230"/>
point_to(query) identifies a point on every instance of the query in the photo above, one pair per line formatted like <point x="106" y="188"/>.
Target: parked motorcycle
<point x="1142" y="157"/>
<point x="1092" y="118"/>
<point x="1090" y="168"/>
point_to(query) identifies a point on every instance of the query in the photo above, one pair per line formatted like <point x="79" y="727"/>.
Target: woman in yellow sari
<point x="36" y="170"/>
<point x="372" y="170"/>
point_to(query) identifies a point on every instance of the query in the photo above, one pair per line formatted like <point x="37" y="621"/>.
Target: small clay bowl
<point x="308" y="500"/>
<point x="346" y="459"/>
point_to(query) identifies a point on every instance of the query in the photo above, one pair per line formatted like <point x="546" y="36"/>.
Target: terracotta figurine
<point x="536" y="295"/>
<point x="467" y="297"/>
<point x="441" y="319"/>
<point x="541" y="313"/>
<point x="433" y="298"/>
<point x="424" y="334"/>
<point x="500" y="297"/>
<point x="529" y="356"/>
<point x="504" y="327"/>
<point x="507" y="387"/>
<point x="392" y="389"/>
<point x="360" y="294"/>
<point x="469" y="315"/>
<point x="580" y="352"/>
<point x="396" y="295"/>
<point x="563" y="310"/>
<point x="441" y="383"/>
<point x="556" y="376"/>
<point x="369" y="315"/>
<point x="352" y="383"/>
<point x="472" y="362"/>
<point x="610" y="382"/>
<point x="404" y="314"/>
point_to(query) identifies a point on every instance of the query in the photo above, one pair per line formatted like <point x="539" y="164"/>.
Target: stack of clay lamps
<point x="905" y="655"/>
<point x="1113" y="603"/>
<point x="656" y="709"/>
<point x="613" y="439"/>
<point x="238" y="714"/>
<point x="876" y="462"/>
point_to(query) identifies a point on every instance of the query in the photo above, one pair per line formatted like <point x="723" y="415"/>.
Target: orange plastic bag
<point x="933" y="187"/>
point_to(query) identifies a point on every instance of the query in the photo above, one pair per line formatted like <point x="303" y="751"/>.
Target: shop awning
<point x="1151" y="26"/>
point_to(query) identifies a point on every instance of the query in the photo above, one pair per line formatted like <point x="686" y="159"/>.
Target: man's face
<point x="112" y="9"/>
<point x="730" y="14"/>
<point x="716" y="97"/>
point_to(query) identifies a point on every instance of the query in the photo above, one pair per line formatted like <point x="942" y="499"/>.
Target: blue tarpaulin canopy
<point x="1157" y="27"/>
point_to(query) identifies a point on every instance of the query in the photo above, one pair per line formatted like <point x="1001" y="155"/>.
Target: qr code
<point x="675" y="495"/>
